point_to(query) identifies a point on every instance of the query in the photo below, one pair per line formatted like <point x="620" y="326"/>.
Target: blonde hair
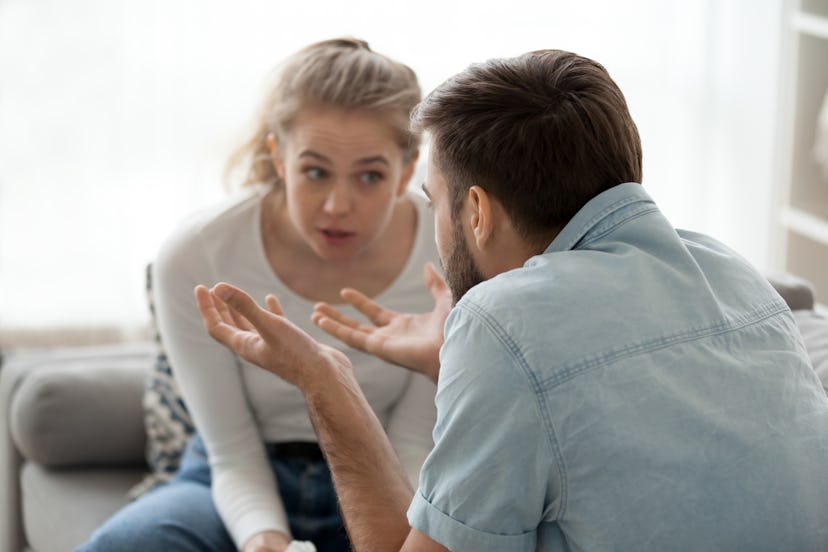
<point x="342" y="73"/>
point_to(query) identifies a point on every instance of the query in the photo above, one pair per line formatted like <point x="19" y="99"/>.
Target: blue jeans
<point x="180" y="515"/>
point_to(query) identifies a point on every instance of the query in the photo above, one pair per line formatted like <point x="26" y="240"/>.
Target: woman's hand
<point x="267" y="541"/>
<point x="410" y="340"/>
<point x="265" y="337"/>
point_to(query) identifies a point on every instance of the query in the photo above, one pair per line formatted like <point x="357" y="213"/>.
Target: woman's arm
<point x="243" y="486"/>
<point x="411" y="424"/>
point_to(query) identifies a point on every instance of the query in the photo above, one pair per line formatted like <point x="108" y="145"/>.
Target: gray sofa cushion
<point x="814" y="329"/>
<point x="83" y="410"/>
<point x="797" y="292"/>
<point x="61" y="508"/>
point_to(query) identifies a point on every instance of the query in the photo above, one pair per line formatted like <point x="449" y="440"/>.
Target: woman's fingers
<point x="324" y="309"/>
<point x="342" y="327"/>
<point x="354" y="337"/>
<point x="434" y="281"/>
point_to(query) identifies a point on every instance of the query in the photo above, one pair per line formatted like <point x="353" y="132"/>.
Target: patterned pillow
<point x="167" y="421"/>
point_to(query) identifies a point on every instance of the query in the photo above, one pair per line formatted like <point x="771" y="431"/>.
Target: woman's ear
<point x="275" y="155"/>
<point x="407" y="173"/>
<point x="481" y="216"/>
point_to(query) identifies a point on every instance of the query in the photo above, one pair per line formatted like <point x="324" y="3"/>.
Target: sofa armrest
<point x="14" y="374"/>
<point x="797" y="292"/>
<point x="82" y="408"/>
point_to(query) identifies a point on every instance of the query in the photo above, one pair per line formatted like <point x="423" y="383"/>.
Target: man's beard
<point x="461" y="271"/>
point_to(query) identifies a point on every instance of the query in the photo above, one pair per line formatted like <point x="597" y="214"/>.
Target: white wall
<point x="116" y="116"/>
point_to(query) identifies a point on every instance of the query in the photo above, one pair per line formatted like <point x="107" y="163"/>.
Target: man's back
<point x="631" y="388"/>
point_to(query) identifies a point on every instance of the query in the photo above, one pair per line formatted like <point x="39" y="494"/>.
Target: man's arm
<point x="373" y="490"/>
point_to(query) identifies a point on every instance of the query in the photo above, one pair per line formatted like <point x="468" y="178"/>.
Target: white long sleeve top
<point x="238" y="407"/>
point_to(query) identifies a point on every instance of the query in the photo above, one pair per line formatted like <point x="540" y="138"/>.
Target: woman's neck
<point x="303" y="271"/>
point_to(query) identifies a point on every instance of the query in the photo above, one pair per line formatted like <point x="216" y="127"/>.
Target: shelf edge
<point x="805" y="224"/>
<point x="814" y="25"/>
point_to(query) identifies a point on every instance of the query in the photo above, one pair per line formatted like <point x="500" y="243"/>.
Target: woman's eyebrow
<point x="363" y="161"/>
<point x="314" y="155"/>
<point x="373" y="159"/>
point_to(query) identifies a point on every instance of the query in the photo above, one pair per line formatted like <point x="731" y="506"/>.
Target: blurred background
<point x="116" y="118"/>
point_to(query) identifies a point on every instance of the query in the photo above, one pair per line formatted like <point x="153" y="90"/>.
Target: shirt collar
<point x="608" y="208"/>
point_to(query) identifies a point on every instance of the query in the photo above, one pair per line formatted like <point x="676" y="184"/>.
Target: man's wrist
<point x="327" y="368"/>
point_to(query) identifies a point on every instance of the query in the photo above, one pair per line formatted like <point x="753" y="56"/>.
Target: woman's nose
<point x="338" y="201"/>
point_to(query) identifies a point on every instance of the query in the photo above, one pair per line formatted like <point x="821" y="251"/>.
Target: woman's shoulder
<point x="224" y="214"/>
<point x="226" y="221"/>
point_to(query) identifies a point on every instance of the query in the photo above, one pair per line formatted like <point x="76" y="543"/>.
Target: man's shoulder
<point x="584" y="303"/>
<point x="547" y="286"/>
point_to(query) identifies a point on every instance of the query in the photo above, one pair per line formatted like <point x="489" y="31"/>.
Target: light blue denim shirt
<point x="634" y="387"/>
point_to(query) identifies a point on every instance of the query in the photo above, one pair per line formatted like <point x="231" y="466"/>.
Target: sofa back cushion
<point x="814" y="329"/>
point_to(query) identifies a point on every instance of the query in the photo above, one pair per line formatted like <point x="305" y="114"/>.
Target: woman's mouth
<point x="334" y="236"/>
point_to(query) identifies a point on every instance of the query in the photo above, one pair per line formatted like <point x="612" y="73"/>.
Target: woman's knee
<point x="175" y="517"/>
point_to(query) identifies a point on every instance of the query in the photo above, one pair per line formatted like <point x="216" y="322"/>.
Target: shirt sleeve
<point x="486" y="482"/>
<point x="243" y="485"/>
<point x="411" y="423"/>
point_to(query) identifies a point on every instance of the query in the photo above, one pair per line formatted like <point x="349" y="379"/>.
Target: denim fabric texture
<point x="180" y="515"/>
<point x="634" y="387"/>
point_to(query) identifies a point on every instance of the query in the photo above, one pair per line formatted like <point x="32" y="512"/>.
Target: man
<point x="605" y="381"/>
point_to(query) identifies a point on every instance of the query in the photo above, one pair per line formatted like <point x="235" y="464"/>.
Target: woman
<point x="327" y="207"/>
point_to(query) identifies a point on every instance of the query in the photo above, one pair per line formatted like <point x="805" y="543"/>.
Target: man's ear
<point x="480" y="216"/>
<point x="275" y="155"/>
<point x="407" y="173"/>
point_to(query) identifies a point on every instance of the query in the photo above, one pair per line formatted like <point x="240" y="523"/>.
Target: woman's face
<point x="343" y="173"/>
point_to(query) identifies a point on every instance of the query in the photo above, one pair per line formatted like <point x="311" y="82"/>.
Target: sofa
<point x="72" y="436"/>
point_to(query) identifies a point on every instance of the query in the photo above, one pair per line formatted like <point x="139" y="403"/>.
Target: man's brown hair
<point x="543" y="133"/>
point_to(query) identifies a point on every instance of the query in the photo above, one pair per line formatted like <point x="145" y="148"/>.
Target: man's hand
<point x="372" y="487"/>
<point x="265" y="337"/>
<point x="410" y="340"/>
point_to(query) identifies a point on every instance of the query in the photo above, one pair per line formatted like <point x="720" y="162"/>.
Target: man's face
<point x="461" y="270"/>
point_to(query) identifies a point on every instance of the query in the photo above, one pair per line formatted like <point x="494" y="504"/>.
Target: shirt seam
<point x="570" y="371"/>
<point x="469" y="527"/>
<point x="514" y="350"/>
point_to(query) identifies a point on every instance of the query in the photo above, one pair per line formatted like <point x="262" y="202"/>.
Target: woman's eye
<point x="315" y="173"/>
<point x="370" y="177"/>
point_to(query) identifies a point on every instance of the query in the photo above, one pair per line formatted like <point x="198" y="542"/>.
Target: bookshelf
<point x="802" y="216"/>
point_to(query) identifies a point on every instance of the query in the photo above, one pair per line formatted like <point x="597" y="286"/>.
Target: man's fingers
<point x="243" y="304"/>
<point x="228" y="316"/>
<point x="209" y="314"/>
<point x="214" y="322"/>
<point x="273" y="305"/>
<point x="378" y="315"/>
<point x="241" y="322"/>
